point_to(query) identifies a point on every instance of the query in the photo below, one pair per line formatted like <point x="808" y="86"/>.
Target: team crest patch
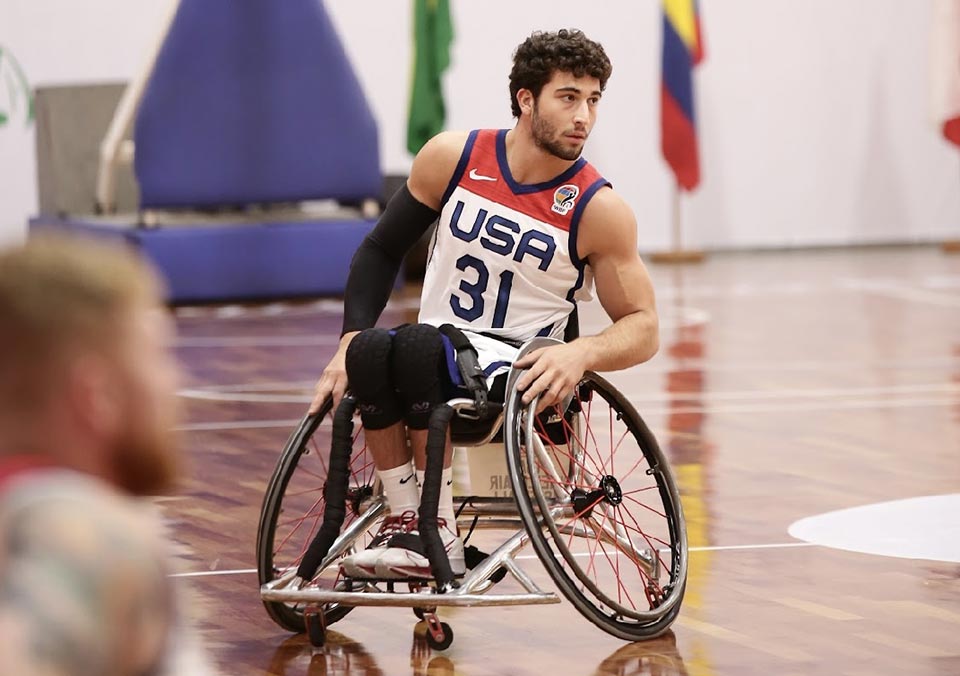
<point x="564" y="198"/>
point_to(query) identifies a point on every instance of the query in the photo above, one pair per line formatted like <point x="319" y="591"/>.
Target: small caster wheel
<point x="316" y="628"/>
<point x="440" y="636"/>
<point x="419" y="613"/>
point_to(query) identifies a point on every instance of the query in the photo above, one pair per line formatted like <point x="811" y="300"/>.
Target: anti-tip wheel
<point x="440" y="639"/>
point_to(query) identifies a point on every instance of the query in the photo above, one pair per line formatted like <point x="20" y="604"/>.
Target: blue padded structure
<point x="245" y="261"/>
<point x="254" y="101"/>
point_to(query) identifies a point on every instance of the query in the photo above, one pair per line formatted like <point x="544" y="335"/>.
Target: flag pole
<point x="677" y="254"/>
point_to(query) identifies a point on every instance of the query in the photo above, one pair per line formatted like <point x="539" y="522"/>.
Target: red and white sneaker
<point x="363" y="564"/>
<point x="398" y="563"/>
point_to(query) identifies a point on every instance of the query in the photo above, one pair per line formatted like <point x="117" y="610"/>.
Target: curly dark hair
<point x="541" y="54"/>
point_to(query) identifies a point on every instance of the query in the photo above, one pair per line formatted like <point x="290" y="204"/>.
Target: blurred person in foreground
<point x="87" y="417"/>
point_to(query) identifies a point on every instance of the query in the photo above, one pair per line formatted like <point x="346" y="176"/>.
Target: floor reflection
<point x="657" y="657"/>
<point x="690" y="453"/>
<point x="343" y="656"/>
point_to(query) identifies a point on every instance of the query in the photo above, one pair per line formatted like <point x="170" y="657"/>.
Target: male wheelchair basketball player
<point x="525" y="229"/>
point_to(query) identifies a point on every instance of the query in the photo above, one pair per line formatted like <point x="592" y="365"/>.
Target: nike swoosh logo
<point x="480" y="177"/>
<point x="403" y="481"/>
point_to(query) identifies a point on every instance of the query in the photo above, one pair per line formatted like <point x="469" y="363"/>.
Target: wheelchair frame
<point x="517" y="423"/>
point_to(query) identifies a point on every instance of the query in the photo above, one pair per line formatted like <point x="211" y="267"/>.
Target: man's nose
<point x="581" y="115"/>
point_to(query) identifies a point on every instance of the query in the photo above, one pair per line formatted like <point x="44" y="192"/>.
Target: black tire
<point x="316" y="629"/>
<point x="600" y="503"/>
<point x="444" y="642"/>
<point x="295" y="491"/>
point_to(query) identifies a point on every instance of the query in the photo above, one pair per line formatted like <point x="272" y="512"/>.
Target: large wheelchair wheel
<point x="602" y="508"/>
<point x="293" y="509"/>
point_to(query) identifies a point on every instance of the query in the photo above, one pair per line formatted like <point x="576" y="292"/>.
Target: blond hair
<point x="60" y="295"/>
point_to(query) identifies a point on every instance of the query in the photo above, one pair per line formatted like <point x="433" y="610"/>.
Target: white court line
<point x="891" y="285"/>
<point x="826" y="405"/>
<point x="664" y="364"/>
<point x="829" y="405"/>
<point x="735" y="395"/>
<point x="746" y="408"/>
<point x="898" y="291"/>
<point x="780" y="545"/>
<point x="236" y="393"/>
<point x="212" y="573"/>
<point x="236" y="425"/>
<point x="659" y="365"/>
<point x="257" y="341"/>
<point x="208" y="395"/>
<point x="718" y="548"/>
<point x="728" y="548"/>
<point x="260" y="387"/>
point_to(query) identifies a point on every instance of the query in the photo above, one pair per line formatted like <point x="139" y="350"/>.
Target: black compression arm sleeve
<point x="376" y="263"/>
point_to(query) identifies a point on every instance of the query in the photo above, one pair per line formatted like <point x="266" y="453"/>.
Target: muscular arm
<point x="608" y="241"/>
<point x="377" y="261"/>
<point x="623" y="287"/>
<point x="82" y="591"/>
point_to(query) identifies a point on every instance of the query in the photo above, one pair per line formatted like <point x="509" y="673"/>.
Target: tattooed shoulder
<point x="83" y="585"/>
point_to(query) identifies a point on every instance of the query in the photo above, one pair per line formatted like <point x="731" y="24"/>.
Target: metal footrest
<point x="404" y="599"/>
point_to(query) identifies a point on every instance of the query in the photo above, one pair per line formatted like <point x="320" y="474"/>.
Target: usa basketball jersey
<point x="504" y="260"/>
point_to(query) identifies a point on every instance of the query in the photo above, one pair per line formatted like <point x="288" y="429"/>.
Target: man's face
<point x="145" y="453"/>
<point x="564" y="114"/>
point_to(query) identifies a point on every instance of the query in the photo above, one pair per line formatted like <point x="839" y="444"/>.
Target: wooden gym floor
<point x="788" y="385"/>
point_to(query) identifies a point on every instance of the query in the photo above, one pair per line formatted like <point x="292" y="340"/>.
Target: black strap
<point x="468" y="363"/>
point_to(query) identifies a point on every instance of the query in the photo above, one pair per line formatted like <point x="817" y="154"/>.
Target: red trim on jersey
<point x="537" y="205"/>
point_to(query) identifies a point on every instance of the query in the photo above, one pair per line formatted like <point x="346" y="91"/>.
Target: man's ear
<point x="93" y="392"/>
<point x="525" y="100"/>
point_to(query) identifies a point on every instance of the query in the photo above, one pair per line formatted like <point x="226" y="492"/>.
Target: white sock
<point x="400" y="489"/>
<point x="445" y="506"/>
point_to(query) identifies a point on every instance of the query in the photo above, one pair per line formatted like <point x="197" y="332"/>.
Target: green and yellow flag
<point x="432" y="36"/>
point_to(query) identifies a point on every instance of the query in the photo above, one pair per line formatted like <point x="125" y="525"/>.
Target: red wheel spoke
<point x="573" y="460"/>
<point x="589" y="426"/>
<point x="649" y="540"/>
<point x="640" y="490"/>
<point x="299" y="521"/>
<point x="576" y="516"/>
<point x="610" y="416"/>
<point x="316" y="475"/>
<point x="303" y="492"/>
<point x="645" y="506"/>
<point x="593" y="554"/>
<point x="319" y="455"/>
<point x="617" y="447"/>
<point x="598" y="530"/>
<point x="545" y="478"/>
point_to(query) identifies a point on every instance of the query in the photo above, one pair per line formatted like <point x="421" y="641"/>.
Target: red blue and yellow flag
<point x="682" y="50"/>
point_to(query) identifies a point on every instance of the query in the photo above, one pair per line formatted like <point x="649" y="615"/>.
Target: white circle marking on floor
<point x="925" y="527"/>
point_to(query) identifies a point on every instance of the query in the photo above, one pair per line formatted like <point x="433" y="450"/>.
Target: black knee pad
<point x="419" y="372"/>
<point x="368" y="373"/>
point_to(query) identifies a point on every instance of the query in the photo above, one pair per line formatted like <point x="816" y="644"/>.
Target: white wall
<point x="813" y="116"/>
<point x="63" y="42"/>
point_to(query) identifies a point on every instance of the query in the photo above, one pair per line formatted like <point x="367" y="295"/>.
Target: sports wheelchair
<point x="592" y="493"/>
